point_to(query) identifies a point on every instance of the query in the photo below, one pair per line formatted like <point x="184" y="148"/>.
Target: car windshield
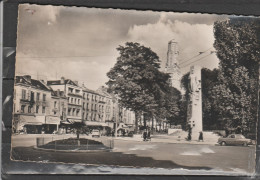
<point x="240" y="136"/>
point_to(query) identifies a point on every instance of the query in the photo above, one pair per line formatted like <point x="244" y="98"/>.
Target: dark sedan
<point x="234" y="139"/>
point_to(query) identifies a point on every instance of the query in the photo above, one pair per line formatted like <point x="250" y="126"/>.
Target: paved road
<point x="147" y="154"/>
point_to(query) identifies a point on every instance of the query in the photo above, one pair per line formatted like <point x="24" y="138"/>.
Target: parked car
<point x="95" y="133"/>
<point x="234" y="139"/>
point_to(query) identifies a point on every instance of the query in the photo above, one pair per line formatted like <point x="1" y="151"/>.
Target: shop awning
<point x="95" y="123"/>
<point x="32" y="120"/>
<point x="72" y="121"/>
<point x="65" y="122"/>
<point x="122" y="125"/>
<point x="52" y="120"/>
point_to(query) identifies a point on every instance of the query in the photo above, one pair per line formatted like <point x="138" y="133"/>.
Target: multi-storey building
<point x="93" y="110"/>
<point x="73" y="92"/>
<point x="115" y="115"/>
<point x="31" y="105"/>
<point x="58" y="107"/>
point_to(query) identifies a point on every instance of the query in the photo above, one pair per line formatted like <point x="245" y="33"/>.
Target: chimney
<point x="62" y="80"/>
<point x="27" y="77"/>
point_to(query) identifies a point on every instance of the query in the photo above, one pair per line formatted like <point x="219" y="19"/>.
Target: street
<point x="145" y="154"/>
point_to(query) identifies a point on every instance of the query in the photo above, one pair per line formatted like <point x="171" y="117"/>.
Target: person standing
<point x="201" y="136"/>
<point x="145" y="135"/>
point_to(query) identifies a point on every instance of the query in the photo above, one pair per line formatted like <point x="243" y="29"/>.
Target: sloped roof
<point x="58" y="82"/>
<point x="33" y="83"/>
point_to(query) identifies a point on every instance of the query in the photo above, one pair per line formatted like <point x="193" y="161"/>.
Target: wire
<point x="198" y="59"/>
<point x="195" y="56"/>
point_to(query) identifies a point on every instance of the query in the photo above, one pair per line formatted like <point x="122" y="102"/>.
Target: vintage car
<point x="234" y="139"/>
<point x="95" y="133"/>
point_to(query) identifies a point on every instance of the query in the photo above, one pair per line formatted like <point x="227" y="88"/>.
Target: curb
<point x="174" y="142"/>
<point x="70" y="151"/>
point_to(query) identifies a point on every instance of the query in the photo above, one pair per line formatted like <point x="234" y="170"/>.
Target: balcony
<point x="27" y="101"/>
<point x="72" y="104"/>
<point x="74" y="94"/>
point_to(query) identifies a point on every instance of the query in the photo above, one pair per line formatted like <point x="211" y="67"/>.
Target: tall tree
<point x="136" y="79"/>
<point x="237" y="45"/>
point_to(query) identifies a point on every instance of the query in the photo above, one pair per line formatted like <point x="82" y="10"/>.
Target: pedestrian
<point x="149" y="135"/>
<point x="201" y="136"/>
<point x="145" y="135"/>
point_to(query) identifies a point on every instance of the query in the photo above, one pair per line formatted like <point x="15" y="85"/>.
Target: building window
<point x="83" y="105"/>
<point x="54" y="112"/>
<point x="73" y="112"/>
<point x="29" y="109"/>
<point x="55" y="104"/>
<point x="44" y="97"/>
<point x="22" y="108"/>
<point x="69" y="111"/>
<point x="37" y="109"/>
<point x="43" y="109"/>
<point x="91" y="107"/>
<point x="38" y="96"/>
<point x="87" y="116"/>
<point x="84" y="95"/>
<point x="70" y="90"/>
<point x="92" y="97"/>
<point x="23" y="94"/>
<point x="14" y="95"/>
<point x="78" y="114"/>
<point x="32" y="96"/>
<point x="71" y="100"/>
<point x="78" y="101"/>
<point x="75" y="101"/>
<point x="87" y="106"/>
<point x="87" y="97"/>
<point x="83" y="115"/>
<point x="77" y="91"/>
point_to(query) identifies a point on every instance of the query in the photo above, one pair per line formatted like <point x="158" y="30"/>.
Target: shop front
<point x="51" y="124"/>
<point x="101" y="126"/>
<point x="29" y="124"/>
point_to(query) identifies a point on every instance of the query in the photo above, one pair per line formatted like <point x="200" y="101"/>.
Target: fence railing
<point x="74" y="144"/>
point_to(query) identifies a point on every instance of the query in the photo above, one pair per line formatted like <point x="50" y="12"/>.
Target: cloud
<point x="80" y="43"/>
<point x="191" y="38"/>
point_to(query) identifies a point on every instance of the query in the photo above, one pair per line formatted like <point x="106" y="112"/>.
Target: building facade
<point x="31" y="105"/>
<point x="74" y="95"/>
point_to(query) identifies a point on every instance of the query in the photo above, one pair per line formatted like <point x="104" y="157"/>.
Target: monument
<point x="195" y="102"/>
<point x="172" y="65"/>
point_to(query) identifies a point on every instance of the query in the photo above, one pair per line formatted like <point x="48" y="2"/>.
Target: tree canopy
<point x="237" y="46"/>
<point x="137" y="80"/>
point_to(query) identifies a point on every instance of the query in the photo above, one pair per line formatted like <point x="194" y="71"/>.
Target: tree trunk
<point x="145" y="119"/>
<point x="137" y="117"/>
<point x="152" y="124"/>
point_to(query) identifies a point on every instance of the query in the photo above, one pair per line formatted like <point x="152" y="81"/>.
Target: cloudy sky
<point x="80" y="43"/>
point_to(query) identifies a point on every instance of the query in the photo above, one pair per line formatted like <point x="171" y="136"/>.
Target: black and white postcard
<point x="152" y="92"/>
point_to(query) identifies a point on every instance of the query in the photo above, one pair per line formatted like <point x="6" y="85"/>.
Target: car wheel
<point x="244" y="144"/>
<point x="223" y="143"/>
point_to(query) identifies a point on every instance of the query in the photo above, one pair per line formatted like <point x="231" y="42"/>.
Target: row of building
<point x="47" y="107"/>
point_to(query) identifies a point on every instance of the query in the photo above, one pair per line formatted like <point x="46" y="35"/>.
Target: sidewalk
<point x="168" y="139"/>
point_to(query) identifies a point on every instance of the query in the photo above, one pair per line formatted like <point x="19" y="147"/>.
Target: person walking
<point x="145" y="135"/>
<point x="201" y="136"/>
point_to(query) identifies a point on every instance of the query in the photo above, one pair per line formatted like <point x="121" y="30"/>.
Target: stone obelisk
<point x="195" y="106"/>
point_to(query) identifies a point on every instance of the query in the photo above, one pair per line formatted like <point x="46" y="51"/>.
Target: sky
<point x="80" y="43"/>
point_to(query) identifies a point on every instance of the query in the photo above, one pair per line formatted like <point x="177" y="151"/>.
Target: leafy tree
<point x="237" y="45"/>
<point x="136" y="79"/>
